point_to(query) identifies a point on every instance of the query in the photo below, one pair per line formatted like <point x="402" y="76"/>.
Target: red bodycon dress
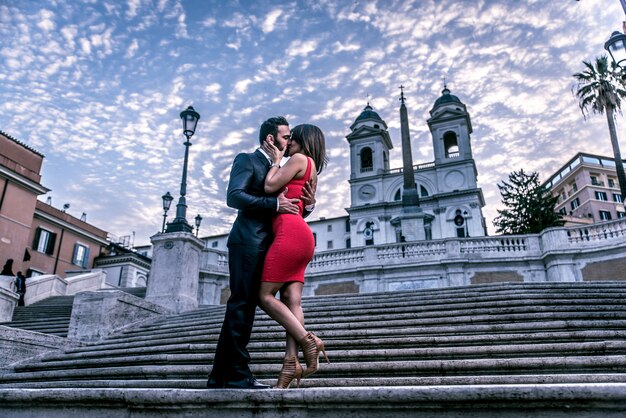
<point x="293" y="245"/>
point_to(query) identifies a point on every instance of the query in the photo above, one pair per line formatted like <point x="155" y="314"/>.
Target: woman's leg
<point x="291" y="296"/>
<point x="278" y="311"/>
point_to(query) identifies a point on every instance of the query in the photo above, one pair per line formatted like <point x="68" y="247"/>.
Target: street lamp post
<point x="198" y="220"/>
<point x="179" y="224"/>
<point x="616" y="46"/>
<point x="167" y="201"/>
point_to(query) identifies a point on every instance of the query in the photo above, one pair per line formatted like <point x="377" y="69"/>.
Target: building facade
<point x="39" y="238"/>
<point x="588" y="190"/>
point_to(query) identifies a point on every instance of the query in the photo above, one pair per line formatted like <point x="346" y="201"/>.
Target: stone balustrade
<point x="556" y="254"/>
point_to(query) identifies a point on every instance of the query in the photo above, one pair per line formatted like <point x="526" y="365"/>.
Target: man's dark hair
<point x="270" y="127"/>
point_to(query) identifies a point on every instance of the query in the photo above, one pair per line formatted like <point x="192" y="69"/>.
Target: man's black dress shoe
<point x="215" y="384"/>
<point x="247" y="383"/>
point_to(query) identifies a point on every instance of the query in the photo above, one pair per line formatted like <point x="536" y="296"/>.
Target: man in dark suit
<point x="248" y="242"/>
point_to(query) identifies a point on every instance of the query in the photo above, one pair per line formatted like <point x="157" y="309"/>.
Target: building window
<point x="450" y="144"/>
<point x="575" y="203"/>
<point x="33" y="273"/>
<point x="315" y="239"/>
<point x="605" y="215"/>
<point x="329" y="228"/>
<point x="214" y="244"/>
<point x="611" y="182"/>
<point x="44" y="241"/>
<point x="595" y="181"/>
<point x="574" y="187"/>
<point x="398" y="195"/>
<point x="348" y="243"/>
<point x="347" y="225"/>
<point x="423" y="191"/>
<point x="329" y="245"/>
<point x="81" y="255"/>
<point x="367" y="160"/>
<point x="563" y="211"/>
<point x="617" y="198"/>
<point x="621" y="215"/>
<point x="601" y="196"/>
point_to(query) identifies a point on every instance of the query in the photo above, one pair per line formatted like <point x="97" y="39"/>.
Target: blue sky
<point x="97" y="87"/>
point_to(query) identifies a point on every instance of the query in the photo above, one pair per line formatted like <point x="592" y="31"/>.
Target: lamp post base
<point x="178" y="225"/>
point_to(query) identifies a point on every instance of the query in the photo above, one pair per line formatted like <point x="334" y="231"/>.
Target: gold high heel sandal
<point x="311" y="348"/>
<point x="291" y="370"/>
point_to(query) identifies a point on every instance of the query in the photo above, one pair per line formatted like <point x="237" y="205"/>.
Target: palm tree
<point x="601" y="89"/>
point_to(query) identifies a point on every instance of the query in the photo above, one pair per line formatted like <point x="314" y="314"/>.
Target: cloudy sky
<point x="97" y="87"/>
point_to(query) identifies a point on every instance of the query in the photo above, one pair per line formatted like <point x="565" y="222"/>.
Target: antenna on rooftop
<point x="66" y="207"/>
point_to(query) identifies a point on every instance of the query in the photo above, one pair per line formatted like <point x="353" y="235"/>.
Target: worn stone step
<point x="389" y="321"/>
<point x="426" y="368"/>
<point x="487" y="352"/>
<point x="199" y="344"/>
<point x="550" y="400"/>
<point x="317" y="382"/>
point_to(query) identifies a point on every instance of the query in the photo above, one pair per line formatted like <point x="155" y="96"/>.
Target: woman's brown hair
<point x="311" y="139"/>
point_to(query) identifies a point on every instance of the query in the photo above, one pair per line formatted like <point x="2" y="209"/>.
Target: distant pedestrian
<point x="20" y="284"/>
<point x="7" y="270"/>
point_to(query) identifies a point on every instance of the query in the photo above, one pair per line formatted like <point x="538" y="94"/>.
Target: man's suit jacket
<point x="246" y="193"/>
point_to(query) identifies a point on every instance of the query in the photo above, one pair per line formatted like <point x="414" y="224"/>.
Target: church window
<point x="423" y="191"/>
<point x="329" y="228"/>
<point x="329" y="245"/>
<point x="450" y="144"/>
<point x="347" y="225"/>
<point x="367" y="160"/>
<point x="368" y="233"/>
<point x="348" y="243"/>
<point x="398" y="195"/>
<point x="461" y="225"/>
<point x="315" y="238"/>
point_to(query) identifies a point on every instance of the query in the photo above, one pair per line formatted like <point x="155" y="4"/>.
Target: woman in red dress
<point x="292" y="250"/>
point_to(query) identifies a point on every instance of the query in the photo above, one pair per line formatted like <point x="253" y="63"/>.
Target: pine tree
<point x="529" y="205"/>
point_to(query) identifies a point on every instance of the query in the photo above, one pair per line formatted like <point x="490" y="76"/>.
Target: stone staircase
<point x="52" y="315"/>
<point x="543" y="341"/>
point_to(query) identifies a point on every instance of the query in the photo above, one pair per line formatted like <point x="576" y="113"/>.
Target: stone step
<point x="201" y="357"/>
<point x="317" y="382"/>
<point x="519" y="400"/>
<point x="500" y="334"/>
<point x="199" y="344"/>
<point x="387" y="321"/>
<point x="339" y="330"/>
<point x="612" y="364"/>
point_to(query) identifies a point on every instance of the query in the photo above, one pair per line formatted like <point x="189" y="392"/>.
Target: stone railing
<point x="336" y="259"/>
<point x="556" y="254"/>
<point x="597" y="232"/>
<point x="410" y="250"/>
<point x="48" y="285"/>
<point x="214" y="260"/>
<point x="503" y="246"/>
